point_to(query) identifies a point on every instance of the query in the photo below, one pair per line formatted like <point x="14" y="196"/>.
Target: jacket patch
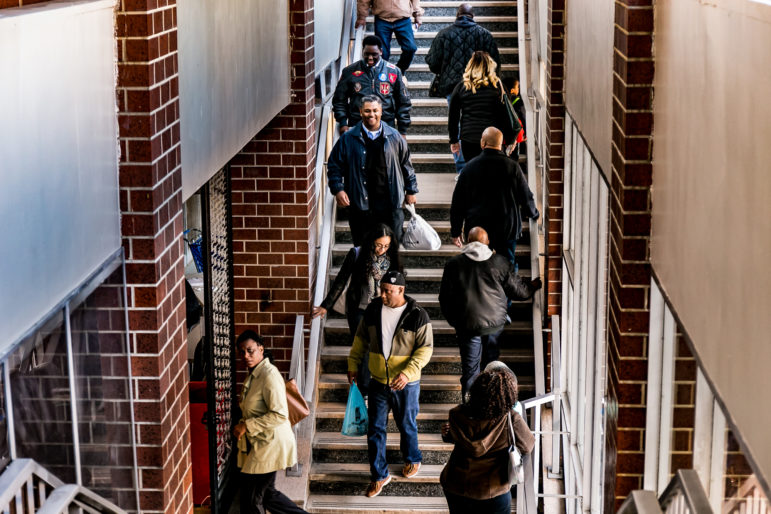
<point x="357" y="86"/>
<point x="358" y="73"/>
<point x="392" y="77"/>
<point x="392" y="66"/>
<point x="385" y="88"/>
<point x="381" y="77"/>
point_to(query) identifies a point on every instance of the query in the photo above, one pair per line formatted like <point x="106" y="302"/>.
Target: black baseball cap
<point x="394" y="278"/>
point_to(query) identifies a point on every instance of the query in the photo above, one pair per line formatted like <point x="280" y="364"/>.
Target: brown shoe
<point x="410" y="469"/>
<point x="376" y="487"/>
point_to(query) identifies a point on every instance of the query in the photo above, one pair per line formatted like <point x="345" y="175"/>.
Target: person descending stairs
<point x="339" y="472"/>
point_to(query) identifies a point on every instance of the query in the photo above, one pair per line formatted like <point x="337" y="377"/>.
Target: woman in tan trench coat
<point x="266" y="442"/>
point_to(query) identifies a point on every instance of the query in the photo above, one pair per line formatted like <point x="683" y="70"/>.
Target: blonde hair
<point x="480" y="71"/>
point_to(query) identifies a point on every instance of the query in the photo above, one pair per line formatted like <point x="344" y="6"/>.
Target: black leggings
<point x="258" y="493"/>
<point x="470" y="149"/>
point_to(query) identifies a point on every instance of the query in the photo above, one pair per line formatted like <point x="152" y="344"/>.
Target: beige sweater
<point x="271" y="444"/>
<point x="389" y="10"/>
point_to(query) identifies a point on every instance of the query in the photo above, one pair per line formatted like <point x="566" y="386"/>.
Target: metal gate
<point x="220" y="379"/>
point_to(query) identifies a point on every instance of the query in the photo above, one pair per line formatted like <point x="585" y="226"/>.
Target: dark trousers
<point x="402" y="29"/>
<point x="362" y="222"/>
<point x="259" y="494"/>
<point x="476" y="352"/>
<point x="470" y="149"/>
<point x="405" y="407"/>
<point x="364" y="376"/>
<point x="462" y="505"/>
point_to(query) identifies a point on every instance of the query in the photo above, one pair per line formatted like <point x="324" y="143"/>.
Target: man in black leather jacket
<point x="475" y="287"/>
<point x="370" y="172"/>
<point x="372" y="75"/>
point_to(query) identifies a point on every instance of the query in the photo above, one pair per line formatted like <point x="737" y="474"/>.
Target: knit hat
<point x="394" y="278"/>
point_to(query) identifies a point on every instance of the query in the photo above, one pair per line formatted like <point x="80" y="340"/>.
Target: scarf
<point x="377" y="267"/>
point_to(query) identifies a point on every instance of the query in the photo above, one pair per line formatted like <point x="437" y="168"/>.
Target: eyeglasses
<point x="378" y="246"/>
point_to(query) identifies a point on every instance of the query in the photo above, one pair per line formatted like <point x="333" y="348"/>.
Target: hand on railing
<point x="318" y="311"/>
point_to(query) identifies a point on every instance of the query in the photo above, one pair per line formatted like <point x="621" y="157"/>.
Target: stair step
<point x="423" y="68"/>
<point x="439" y="326"/>
<point x="497" y="34"/>
<point x="420" y="158"/>
<point x="395" y="50"/>
<point x="446" y="250"/>
<point x="427" y="382"/>
<point x="451" y="19"/>
<point x="429" y="120"/>
<point x="445" y="360"/>
<point x="337" y="441"/>
<point x="336" y="410"/>
<point x="428" y="138"/>
<point x="359" y="472"/>
<point x="322" y="503"/>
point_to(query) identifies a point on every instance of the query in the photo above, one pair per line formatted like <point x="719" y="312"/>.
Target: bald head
<point x="465" y="9"/>
<point x="492" y="138"/>
<point x="479" y="235"/>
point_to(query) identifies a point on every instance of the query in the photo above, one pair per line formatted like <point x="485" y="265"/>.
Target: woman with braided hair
<point x="475" y="478"/>
<point x="364" y="266"/>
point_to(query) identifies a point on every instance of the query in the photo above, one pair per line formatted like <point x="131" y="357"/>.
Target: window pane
<point x="98" y="326"/>
<point x="41" y="400"/>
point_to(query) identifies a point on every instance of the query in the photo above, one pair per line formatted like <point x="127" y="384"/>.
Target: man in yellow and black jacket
<point x="397" y="331"/>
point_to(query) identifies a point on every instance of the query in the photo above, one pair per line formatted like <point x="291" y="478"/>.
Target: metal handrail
<point x="25" y="484"/>
<point x="686" y="493"/>
<point x="325" y="198"/>
<point x="640" y="502"/>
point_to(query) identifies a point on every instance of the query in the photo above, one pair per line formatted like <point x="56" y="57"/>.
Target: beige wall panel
<point x="233" y="79"/>
<point x="589" y="75"/>
<point x="711" y="243"/>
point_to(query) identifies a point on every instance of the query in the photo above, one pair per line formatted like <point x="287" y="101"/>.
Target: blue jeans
<point x="405" y="406"/>
<point x="402" y="29"/>
<point x="459" y="161"/>
<point x="475" y="353"/>
<point x="462" y="505"/>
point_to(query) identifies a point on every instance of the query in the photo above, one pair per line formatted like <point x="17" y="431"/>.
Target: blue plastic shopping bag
<point x="355" y="422"/>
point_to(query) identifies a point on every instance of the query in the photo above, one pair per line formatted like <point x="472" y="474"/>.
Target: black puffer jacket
<point x="476" y="112"/>
<point x="452" y="48"/>
<point x="474" y="289"/>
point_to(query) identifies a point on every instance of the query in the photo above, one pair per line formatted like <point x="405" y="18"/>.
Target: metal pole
<point x="652" y="406"/>
<point x="73" y="395"/>
<point x="556" y="381"/>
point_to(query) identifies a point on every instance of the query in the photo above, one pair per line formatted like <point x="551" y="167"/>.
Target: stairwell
<point x="339" y="471"/>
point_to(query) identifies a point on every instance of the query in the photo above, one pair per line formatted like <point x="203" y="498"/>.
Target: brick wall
<point x="555" y="153"/>
<point x="274" y="210"/>
<point x="151" y="223"/>
<point x="630" y="205"/>
<point x="18" y="3"/>
<point x="684" y="413"/>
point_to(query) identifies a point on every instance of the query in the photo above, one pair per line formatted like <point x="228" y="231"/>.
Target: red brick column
<point x="151" y="207"/>
<point x="630" y="223"/>
<point x="555" y="162"/>
<point x="274" y="209"/>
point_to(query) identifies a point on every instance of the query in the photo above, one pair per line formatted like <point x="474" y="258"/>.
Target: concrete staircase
<point x="340" y="471"/>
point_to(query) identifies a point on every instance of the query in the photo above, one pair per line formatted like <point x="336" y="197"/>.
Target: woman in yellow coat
<point x="266" y="442"/>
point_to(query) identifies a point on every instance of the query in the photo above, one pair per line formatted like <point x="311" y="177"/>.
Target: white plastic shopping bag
<point x="419" y="234"/>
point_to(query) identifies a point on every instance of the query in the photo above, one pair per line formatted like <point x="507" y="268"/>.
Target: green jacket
<point x="413" y="343"/>
<point x="269" y="443"/>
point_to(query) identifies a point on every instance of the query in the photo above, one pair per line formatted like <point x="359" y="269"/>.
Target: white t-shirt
<point x="389" y="319"/>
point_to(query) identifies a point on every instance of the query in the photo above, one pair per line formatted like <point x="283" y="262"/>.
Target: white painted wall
<point x="233" y="79"/>
<point x="328" y="17"/>
<point x="711" y="246"/>
<point x="58" y="154"/>
<point x="589" y="75"/>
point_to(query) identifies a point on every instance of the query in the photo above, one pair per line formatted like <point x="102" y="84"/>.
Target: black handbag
<point x="433" y="89"/>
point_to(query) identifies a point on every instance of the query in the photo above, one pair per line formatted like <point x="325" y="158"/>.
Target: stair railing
<point x="749" y="498"/>
<point x="683" y="495"/>
<point x="26" y="487"/>
<point x="350" y="52"/>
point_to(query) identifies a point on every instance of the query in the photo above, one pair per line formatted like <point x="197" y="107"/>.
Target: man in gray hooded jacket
<point x="473" y="296"/>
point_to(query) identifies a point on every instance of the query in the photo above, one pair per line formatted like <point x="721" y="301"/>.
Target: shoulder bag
<point x="516" y="470"/>
<point x="298" y="407"/>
